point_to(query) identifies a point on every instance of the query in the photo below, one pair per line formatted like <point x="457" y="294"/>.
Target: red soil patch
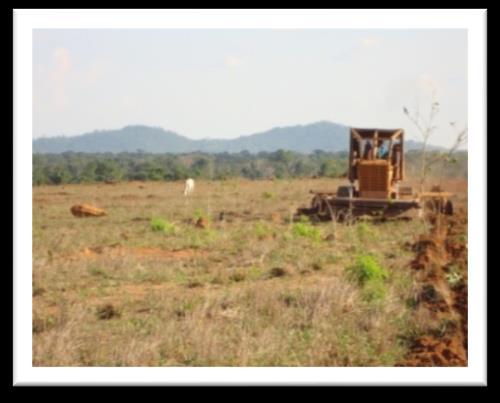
<point x="202" y="223"/>
<point x="183" y="253"/>
<point x="443" y="248"/>
<point x="439" y="352"/>
<point x="94" y="251"/>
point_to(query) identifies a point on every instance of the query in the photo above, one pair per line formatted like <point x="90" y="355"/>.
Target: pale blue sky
<point x="226" y="83"/>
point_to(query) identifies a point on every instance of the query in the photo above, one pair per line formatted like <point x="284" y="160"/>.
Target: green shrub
<point x="267" y="195"/>
<point x="262" y="230"/>
<point x="306" y="230"/>
<point x="368" y="273"/>
<point x="366" y="268"/>
<point x="254" y="273"/>
<point x="161" y="225"/>
<point x="199" y="213"/>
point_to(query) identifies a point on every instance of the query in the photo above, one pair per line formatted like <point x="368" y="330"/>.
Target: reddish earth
<point x="444" y="249"/>
<point x="95" y="251"/>
<point x="202" y="223"/>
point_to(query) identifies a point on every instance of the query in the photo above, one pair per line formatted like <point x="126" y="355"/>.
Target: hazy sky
<point x="226" y="83"/>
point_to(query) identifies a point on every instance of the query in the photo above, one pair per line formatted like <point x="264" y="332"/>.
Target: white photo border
<point x="27" y="20"/>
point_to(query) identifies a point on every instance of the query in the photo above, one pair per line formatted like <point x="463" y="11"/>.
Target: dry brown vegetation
<point x="221" y="278"/>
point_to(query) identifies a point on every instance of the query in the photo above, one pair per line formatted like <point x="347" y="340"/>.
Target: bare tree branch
<point x="426" y="128"/>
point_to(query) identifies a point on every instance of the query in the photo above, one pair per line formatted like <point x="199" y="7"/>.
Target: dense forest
<point x="72" y="167"/>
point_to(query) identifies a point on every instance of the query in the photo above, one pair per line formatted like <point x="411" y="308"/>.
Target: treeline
<point x="71" y="167"/>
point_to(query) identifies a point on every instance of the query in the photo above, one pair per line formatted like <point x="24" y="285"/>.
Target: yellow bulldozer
<point x="376" y="187"/>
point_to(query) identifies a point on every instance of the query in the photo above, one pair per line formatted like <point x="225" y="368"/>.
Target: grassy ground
<point x="253" y="288"/>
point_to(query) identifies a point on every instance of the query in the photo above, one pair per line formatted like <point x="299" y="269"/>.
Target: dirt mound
<point x="86" y="210"/>
<point x="443" y="293"/>
<point x="434" y="351"/>
<point x="202" y="223"/>
<point x="107" y="311"/>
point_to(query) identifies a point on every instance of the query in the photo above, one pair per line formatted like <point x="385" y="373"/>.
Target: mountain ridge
<point x="304" y="138"/>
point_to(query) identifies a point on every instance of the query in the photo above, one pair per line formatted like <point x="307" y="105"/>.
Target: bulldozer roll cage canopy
<point x="364" y="143"/>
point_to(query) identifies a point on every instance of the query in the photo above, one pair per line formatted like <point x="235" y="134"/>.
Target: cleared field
<point x="249" y="287"/>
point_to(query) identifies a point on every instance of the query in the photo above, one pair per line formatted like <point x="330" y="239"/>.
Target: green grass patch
<point x="262" y="230"/>
<point x="199" y="213"/>
<point x="370" y="276"/>
<point x="254" y="273"/>
<point x="306" y="230"/>
<point x="365" y="269"/>
<point x="161" y="225"/>
<point x="98" y="271"/>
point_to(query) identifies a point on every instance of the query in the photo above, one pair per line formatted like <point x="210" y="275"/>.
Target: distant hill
<point x="324" y="136"/>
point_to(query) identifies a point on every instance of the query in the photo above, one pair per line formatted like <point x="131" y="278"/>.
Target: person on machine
<point x="382" y="150"/>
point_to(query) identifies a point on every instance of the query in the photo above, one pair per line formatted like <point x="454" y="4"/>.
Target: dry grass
<point x="247" y="290"/>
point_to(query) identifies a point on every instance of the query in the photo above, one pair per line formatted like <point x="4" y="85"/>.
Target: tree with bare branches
<point x="426" y="127"/>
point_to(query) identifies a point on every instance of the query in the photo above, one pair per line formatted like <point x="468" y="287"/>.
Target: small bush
<point x="317" y="266"/>
<point x="267" y="195"/>
<point x="262" y="230"/>
<point x="365" y="269"/>
<point x="277" y="272"/>
<point x="98" y="272"/>
<point x="364" y="231"/>
<point x="198" y="213"/>
<point x="289" y="299"/>
<point x="306" y="230"/>
<point x="237" y="276"/>
<point x="43" y="324"/>
<point x="38" y="291"/>
<point x="161" y="225"/>
<point x="368" y="273"/>
<point x="107" y="311"/>
<point x="254" y="273"/>
<point x="194" y="284"/>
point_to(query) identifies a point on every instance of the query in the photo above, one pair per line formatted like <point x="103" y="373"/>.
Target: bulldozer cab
<point x="376" y="158"/>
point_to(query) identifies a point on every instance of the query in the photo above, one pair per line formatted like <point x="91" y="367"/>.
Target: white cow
<point x="189" y="187"/>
